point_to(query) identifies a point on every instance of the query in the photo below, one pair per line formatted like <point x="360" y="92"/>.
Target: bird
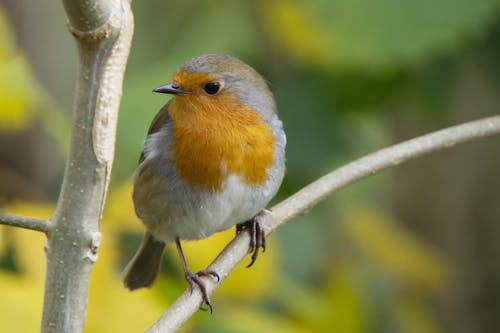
<point x="213" y="158"/>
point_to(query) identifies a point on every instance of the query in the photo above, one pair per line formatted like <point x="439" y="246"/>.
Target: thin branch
<point x="299" y="203"/>
<point x="24" y="222"/>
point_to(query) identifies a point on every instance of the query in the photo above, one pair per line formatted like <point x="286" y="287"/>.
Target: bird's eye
<point x="212" y="88"/>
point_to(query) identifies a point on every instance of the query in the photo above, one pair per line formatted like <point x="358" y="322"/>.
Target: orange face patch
<point x="216" y="136"/>
<point x="191" y="81"/>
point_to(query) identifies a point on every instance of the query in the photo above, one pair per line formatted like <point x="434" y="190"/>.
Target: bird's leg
<point x="257" y="234"/>
<point x="195" y="278"/>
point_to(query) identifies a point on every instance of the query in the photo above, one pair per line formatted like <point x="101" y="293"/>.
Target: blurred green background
<point x="411" y="250"/>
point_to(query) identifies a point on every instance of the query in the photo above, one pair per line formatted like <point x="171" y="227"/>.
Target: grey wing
<point x="161" y="118"/>
<point x="152" y="173"/>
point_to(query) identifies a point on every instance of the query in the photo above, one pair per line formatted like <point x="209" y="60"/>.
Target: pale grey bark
<point x="24" y="222"/>
<point x="103" y="32"/>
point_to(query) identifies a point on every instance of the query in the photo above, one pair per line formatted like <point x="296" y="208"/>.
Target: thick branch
<point x="299" y="203"/>
<point x="24" y="222"/>
<point x="103" y="31"/>
<point x="88" y="15"/>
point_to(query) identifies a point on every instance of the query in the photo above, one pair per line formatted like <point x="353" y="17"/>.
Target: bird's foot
<point x="257" y="235"/>
<point x="194" y="279"/>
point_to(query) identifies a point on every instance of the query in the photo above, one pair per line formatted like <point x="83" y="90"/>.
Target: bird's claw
<point x="194" y="279"/>
<point x="257" y="235"/>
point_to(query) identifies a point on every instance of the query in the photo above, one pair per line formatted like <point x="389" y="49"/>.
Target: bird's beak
<point x="170" y="88"/>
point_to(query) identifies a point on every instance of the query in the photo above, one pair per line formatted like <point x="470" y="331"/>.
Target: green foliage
<point x="376" y="35"/>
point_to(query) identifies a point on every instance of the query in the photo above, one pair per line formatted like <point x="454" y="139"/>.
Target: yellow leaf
<point x="29" y="244"/>
<point x="248" y="320"/>
<point x="119" y="211"/>
<point x="21" y="302"/>
<point x="18" y="90"/>
<point x="22" y="293"/>
<point x="413" y="314"/>
<point x="336" y="307"/>
<point x="345" y="302"/>
<point x="308" y="305"/>
<point x="21" y="96"/>
<point x="396" y="250"/>
<point x="112" y="307"/>
<point x="294" y="27"/>
<point x="17" y="96"/>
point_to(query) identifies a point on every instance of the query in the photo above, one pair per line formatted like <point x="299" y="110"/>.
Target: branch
<point x="299" y="203"/>
<point x="24" y="222"/>
<point x="103" y="32"/>
<point x="88" y="16"/>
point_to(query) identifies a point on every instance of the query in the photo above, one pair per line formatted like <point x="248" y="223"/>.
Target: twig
<point x="24" y="222"/>
<point x="299" y="203"/>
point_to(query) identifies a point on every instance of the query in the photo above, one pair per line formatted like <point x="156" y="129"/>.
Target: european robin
<point x="213" y="158"/>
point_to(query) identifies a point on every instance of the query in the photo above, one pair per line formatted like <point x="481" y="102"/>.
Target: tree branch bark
<point x="24" y="222"/>
<point x="103" y="31"/>
<point x="299" y="203"/>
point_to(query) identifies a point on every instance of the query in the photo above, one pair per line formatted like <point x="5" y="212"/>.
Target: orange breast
<point x="216" y="137"/>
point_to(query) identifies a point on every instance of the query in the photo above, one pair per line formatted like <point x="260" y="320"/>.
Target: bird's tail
<point x="143" y="269"/>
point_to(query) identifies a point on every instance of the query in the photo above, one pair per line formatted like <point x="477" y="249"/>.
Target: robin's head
<point x="214" y="80"/>
<point x="224" y="122"/>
